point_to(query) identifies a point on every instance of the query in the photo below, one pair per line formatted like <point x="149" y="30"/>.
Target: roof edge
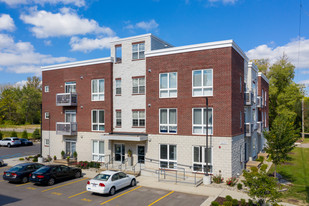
<point x="260" y="74"/>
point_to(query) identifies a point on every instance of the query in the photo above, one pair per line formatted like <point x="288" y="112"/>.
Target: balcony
<point x="248" y="98"/>
<point x="259" y="127"/>
<point x="66" y="99"/>
<point x="66" y="128"/>
<point x="248" y="129"/>
<point x="259" y="102"/>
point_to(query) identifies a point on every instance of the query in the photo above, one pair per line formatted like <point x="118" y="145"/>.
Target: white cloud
<point x="65" y="23"/>
<point x="224" y="1"/>
<point x="20" y="84"/>
<point x="150" y="25"/>
<point x="86" y="45"/>
<point x="6" y="23"/>
<point x="47" y="42"/>
<point x="20" y="57"/>
<point x="291" y="49"/>
<point x="78" y="3"/>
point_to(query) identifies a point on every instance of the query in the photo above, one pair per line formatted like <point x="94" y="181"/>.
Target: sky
<point x="35" y="33"/>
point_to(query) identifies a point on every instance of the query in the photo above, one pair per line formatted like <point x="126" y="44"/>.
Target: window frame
<point x="139" y="85"/>
<point x="118" y="87"/>
<point x="138" y="51"/>
<point x="46" y="89"/>
<point x="98" y="92"/>
<point x="203" y="163"/>
<point x="202" y="125"/>
<point x="69" y="85"/>
<point x="168" y="160"/>
<point x="202" y="82"/>
<point x="47" y="115"/>
<point x="46" y="142"/>
<point x="138" y="119"/>
<point x="118" y="126"/>
<point x="99" y="155"/>
<point x="118" y="60"/>
<point x="97" y="119"/>
<point x="168" y="125"/>
<point x="168" y="89"/>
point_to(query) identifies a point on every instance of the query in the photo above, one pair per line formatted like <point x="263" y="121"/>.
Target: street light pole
<point x="206" y="150"/>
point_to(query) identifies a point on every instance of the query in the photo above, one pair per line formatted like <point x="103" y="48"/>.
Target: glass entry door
<point x="141" y="154"/>
<point x="70" y="148"/>
<point x="119" y="152"/>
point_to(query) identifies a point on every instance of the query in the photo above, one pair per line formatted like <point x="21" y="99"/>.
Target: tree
<point x="13" y="134"/>
<point x="263" y="65"/>
<point x="24" y="134"/>
<point x="1" y="135"/>
<point x="281" y="139"/>
<point x="36" y="134"/>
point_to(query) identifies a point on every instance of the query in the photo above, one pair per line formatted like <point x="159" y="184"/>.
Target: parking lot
<point x="73" y="192"/>
<point x="6" y="153"/>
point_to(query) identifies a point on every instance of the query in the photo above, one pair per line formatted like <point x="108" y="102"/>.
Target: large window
<point x="118" y="86"/>
<point x="138" y="85"/>
<point x="168" y="85"/>
<point x="98" y="151"/>
<point x="118" y="53"/>
<point x="202" y="82"/>
<point x="118" y="118"/>
<point x="168" y="121"/>
<point x="70" y="87"/>
<point x="199" y="121"/>
<point x="138" y="51"/>
<point x="201" y="155"/>
<point x="70" y="116"/>
<point x="168" y="156"/>
<point x="138" y="118"/>
<point x="97" y="90"/>
<point x="98" y="123"/>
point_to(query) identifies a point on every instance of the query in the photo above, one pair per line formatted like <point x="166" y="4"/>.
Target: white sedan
<point x="109" y="182"/>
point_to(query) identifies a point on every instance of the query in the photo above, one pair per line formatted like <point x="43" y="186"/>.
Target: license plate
<point x="33" y="176"/>
<point x="94" y="185"/>
<point x="8" y="174"/>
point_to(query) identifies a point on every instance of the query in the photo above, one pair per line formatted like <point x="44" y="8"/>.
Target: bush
<point x="254" y="169"/>
<point x="36" y="134"/>
<point x="217" y="179"/>
<point x="227" y="203"/>
<point x="62" y="154"/>
<point x="21" y="159"/>
<point x="35" y="159"/>
<point x="235" y="202"/>
<point x="228" y="198"/>
<point x="264" y="167"/>
<point x="250" y="202"/>
<point x="243" y="202"/>
<point x="49" y="158"/>
<point x="239" y="186"/>
<point x="1" y="135"/>
<point x="260" y="159"/>
<point x="24" y="134"/>
<point x="13" y="134"/>
<point x="83" y="164"/>
<point x="30" y="157"/>
<point x="55" y="157"/>
<point x="231" y="181"/>
<point x="215" y="203"/>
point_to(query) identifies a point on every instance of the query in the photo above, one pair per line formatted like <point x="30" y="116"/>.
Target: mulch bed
<point x="220" y="200"/>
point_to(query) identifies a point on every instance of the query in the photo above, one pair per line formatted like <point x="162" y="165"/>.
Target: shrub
<point x="83" y="164"/>
<point x="13" y="134"/>
<point x="21" y="159"/>
<point x="260" y="159"/>
<point x="215" y="203"/>
<point x="30" y="157"/>
<point x="24" y="134"/>
<point x="217" y="179"/>
<point x="49" y="158"/>
<point x="228" y="198"/>
<point x="254" y="169"/>
<point x="243" y="202"/>
<point x="35" y="159"/>
<point x="227" y="203"/>
<point x="239" y="186"/>
<point x="250" y="202"/>
<point x="231" y="181"/>
<point x="75" y="155"/>
<point x="1" y="135"/>
<point x="264" y="167"/>
<point x="62" y="154"/>
<point x="235" y="202"/>
<point x="55" y="157"/>
<point x="36" y="134"/>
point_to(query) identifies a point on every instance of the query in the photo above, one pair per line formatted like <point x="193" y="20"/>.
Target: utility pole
<point x="206" y="150"/>
<point x="303" y="119"/>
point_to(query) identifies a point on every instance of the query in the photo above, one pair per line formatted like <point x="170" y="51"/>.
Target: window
<point x="118" y="118"/>
<point x="168" y="121"/>
<point x="98" y="151"/>
<point x="46" y="142"/>
<point x="138" y="118"/>
<point x="138" y="51"/>
<point x="265" y="98"/>
<point x="98" y="120"/>
<point x="70" y="116"/>
<point x="46" y="115"/>
<point x="138" y="85"/>
<point x="168" y="85"/>
<point x="199" y="121"/>
<point x="118" y="86"/>
<point x="168" y="156"/>
<point x="70" y="87"/>
<point x="97" y="90"/>
<point x="262" y="103"/>
<point x="202" y="82"/>
<point x="118" y="53"/>
<point x="265" y="119"/>
<point x="201" y="155"/>
<point x="240" y="119"/>
<point x="46" y="88"/>
<point x="240" y="84"/>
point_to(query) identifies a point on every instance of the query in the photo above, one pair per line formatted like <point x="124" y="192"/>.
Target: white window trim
<point x="69" y="84"/>
<point x="138" y="51"/>
<point x="69" y="112"/>
<point x="139" y="118"/>
<point x="139" y="85"/>
<point x="202" y="125"/>
<point x="168" y="155"/>
<point x="118" y="118"/>
<point x="203" y="87"/>
<point x="203" y="163"/>
<point x="168" y="124"/>
<point x="97" y="93"/>
<point x="46" y="142"/>
<point x="47" y="115"/>
<point x="98" y="154"/>
<point x="46" y="89"/>
<point x="168" y="84"/>
<point x="265" y="98"/>
<point x="99" y="124"/>
<point x="117" y="87"/>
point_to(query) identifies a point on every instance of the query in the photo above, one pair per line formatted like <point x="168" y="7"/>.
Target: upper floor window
<point x="118" y="118"/>
<point x="97" y="90"/>
<point x="118" y="86"/>
<point x="202" y="82"/>
<point x="168" y="85"/>
<point x="46" y="88"/>
<point x="199" y="121"/>
<point x="46" y="115"/>
<point x="98" y="123"/>
<point x="118" y="53"/>
<point x="138" y="85"/>
<point x="70" y="116"/>
<point x="138" y="51"/>
<point x="138" y="118"/>
<point x="168" y="121"/>
<point x="265" y="98"/>
<point x="70" y="87"/>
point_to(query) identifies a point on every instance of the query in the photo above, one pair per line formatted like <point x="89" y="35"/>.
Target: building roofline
<point x="197" y="47"/>
<point x="253" y="66"/>
<point x="260" y="74"/>
<point x="78" y="63"/>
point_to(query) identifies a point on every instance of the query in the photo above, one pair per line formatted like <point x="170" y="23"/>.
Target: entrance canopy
<point x="135" y="138"/>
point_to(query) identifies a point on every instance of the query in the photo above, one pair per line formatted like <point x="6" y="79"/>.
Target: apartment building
<point x="149" y="98"/>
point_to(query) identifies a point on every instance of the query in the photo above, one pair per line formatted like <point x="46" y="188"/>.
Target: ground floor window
<point x="168" y="156"/>
<point x="46" y="142"/>
<point x="98" y="151"/>
<point x="70" y="148"/>
<point x="141" y="154"/>
<point x="201" y="155"/>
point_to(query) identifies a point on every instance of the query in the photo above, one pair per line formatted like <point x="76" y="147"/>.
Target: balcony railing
<point x="66" y="128"/>
<point x="260" y="127"/>
<point x="66" y="99"/>
<point x="248" y="98"/>
<point x="248" y="129"/>
<point x="259" y="102"/>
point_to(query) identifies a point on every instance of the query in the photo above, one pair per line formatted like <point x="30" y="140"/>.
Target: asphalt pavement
<point x="21" y="151"/>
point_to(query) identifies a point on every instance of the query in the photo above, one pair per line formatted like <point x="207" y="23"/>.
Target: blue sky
<point x="34" y="33"/>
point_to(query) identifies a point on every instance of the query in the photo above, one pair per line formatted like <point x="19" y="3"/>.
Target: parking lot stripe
<point x="161" y="198"/>
<point x="120" y="195"/>
<point x="78" y="194"/>
<point x="23" y="184"/>
<point x="64" y="185"/>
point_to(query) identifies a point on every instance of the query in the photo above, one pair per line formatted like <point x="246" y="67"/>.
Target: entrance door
<point x="141" y="154"/>
<point x="70" y="148"/>
<point x="119" y="152"/>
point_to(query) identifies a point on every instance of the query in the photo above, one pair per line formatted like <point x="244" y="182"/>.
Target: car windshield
<point x="17" y="168"/>
<point x="15" y="139"/>
<point x="43" y="169"/>
<point x="103" y="177"/>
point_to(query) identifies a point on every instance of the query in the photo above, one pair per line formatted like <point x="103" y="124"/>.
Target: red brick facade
<point x="263" y="85"/>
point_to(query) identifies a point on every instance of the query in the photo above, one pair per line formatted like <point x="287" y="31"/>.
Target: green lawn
<point x="306" y="140"/>
<point x="297" y="172"/>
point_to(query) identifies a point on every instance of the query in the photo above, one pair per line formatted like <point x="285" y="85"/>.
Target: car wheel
<point x="51" y="181"/>
<point x="77" y="175"/>
<point x="112" y="191"/>
<point x="9" y="145"/>
<point x="24" y="180"/>
<point x="133" y="183"/>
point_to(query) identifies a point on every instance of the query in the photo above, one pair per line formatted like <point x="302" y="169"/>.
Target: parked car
<point x="20" y="172"/>
<point x="110" y="182"/>
<point x="10" y="141"/>
<point x="49" y="174"/>
<point x="26" y="142"/>
<point x="1" y="163"/>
